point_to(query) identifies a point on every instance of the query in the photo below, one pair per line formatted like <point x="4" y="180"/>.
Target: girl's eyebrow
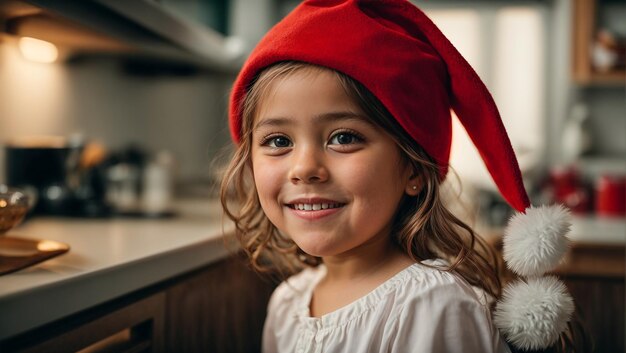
<point x="326" y="117"/>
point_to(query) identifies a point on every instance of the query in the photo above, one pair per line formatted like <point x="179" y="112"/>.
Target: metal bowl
<point x="14" y="205"/>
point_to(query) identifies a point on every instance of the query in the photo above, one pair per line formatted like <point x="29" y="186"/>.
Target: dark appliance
<point x="51" y="166"/>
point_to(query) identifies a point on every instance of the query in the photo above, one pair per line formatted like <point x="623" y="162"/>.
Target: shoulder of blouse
<point x="296" y="287"/>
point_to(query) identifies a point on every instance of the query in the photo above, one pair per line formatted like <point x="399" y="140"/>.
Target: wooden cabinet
<point x="585" y="26"/>
<point x="219" y="308"/>
<point x="594" y="275"/>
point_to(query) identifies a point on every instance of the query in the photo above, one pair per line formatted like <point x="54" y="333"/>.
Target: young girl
<point x="342" y="119"/>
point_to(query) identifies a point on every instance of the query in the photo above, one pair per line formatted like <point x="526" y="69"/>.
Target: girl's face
<point x="325" y="175"/>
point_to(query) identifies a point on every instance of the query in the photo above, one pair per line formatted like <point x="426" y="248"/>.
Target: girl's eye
<point x="345" y="138"/>
<point x="277" y="142"/>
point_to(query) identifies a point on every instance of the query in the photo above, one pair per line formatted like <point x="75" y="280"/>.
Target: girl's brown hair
<point x="423" y="227"/>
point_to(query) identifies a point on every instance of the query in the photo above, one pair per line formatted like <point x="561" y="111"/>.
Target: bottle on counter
<point x="158" y="184"/>
<point x="123" y="187"/>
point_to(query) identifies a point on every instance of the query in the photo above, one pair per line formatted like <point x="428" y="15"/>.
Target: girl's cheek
<point x="362" y="173"/>
<point x="266" y="177"/>
<point x="268" y="185"/>
<point x="370" y="177"/>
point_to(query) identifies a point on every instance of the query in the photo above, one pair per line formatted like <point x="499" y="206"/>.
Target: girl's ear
<point x="414" y="185"/>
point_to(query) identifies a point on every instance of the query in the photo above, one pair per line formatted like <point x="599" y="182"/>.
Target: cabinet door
<point x="221" y="308"/>
<point x="600" y="305"/>
<point x="136" y="327"/>
<point x="594" y="275"/>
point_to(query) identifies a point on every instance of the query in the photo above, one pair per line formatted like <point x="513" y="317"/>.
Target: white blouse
<point x="420" y="309"/>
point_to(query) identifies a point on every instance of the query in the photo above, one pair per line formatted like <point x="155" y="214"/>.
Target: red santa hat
<point x="395" y="51"/>
<point x="398" y="54"/>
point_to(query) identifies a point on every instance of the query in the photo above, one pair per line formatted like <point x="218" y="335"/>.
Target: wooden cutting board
<point x="18" y="253"/>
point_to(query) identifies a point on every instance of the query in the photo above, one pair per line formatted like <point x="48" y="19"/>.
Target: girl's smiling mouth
<point x="314" y="208"/>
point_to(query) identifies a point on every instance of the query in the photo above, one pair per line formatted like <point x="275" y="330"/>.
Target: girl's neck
<point x="368" y="260"/>
<point x="352" y="275"/>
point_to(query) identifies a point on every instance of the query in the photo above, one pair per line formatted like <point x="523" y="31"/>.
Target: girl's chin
<point x="313" y="251"/>
<point x="319" y="242"/>
<point x="317" y="249"/>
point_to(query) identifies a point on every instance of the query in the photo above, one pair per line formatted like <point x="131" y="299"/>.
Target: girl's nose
<point x="308" y="167"/>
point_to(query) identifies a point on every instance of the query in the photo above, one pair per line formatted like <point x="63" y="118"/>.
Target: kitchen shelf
<point x="614" y="78"/>
<point x="584" y="27"/>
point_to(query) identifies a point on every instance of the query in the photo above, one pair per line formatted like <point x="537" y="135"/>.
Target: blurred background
<point x="110" y="107"/>
<point x="138" y="88"/>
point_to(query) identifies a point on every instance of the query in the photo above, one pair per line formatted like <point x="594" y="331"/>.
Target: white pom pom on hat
<point x="535" y="241"/>
<point x="532" y="314"/>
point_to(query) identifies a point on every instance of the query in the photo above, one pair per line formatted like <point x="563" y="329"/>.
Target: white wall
<point x="185" y="115"/>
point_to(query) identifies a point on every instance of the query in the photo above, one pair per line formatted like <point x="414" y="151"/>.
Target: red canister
<point x="611" y="196"/>
<point x="568" y="188"/>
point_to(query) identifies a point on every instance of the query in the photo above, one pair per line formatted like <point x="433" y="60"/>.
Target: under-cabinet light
<point x="38" y="50"/>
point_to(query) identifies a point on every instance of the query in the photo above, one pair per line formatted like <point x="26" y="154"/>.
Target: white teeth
<point x="315" y="206"/>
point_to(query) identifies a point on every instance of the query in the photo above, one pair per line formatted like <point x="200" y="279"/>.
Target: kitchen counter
<point x="599" y="231"/>
<point x="586" y="230"/>
<point x="596" y="246"/>
<point x="111" y="258"/>
<point x="107" y="259"/>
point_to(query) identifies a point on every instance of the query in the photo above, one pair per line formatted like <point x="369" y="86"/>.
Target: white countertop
<point x="587" y="230"/>
<point x="108" y="258"/>
<point x="600" y="231"/>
